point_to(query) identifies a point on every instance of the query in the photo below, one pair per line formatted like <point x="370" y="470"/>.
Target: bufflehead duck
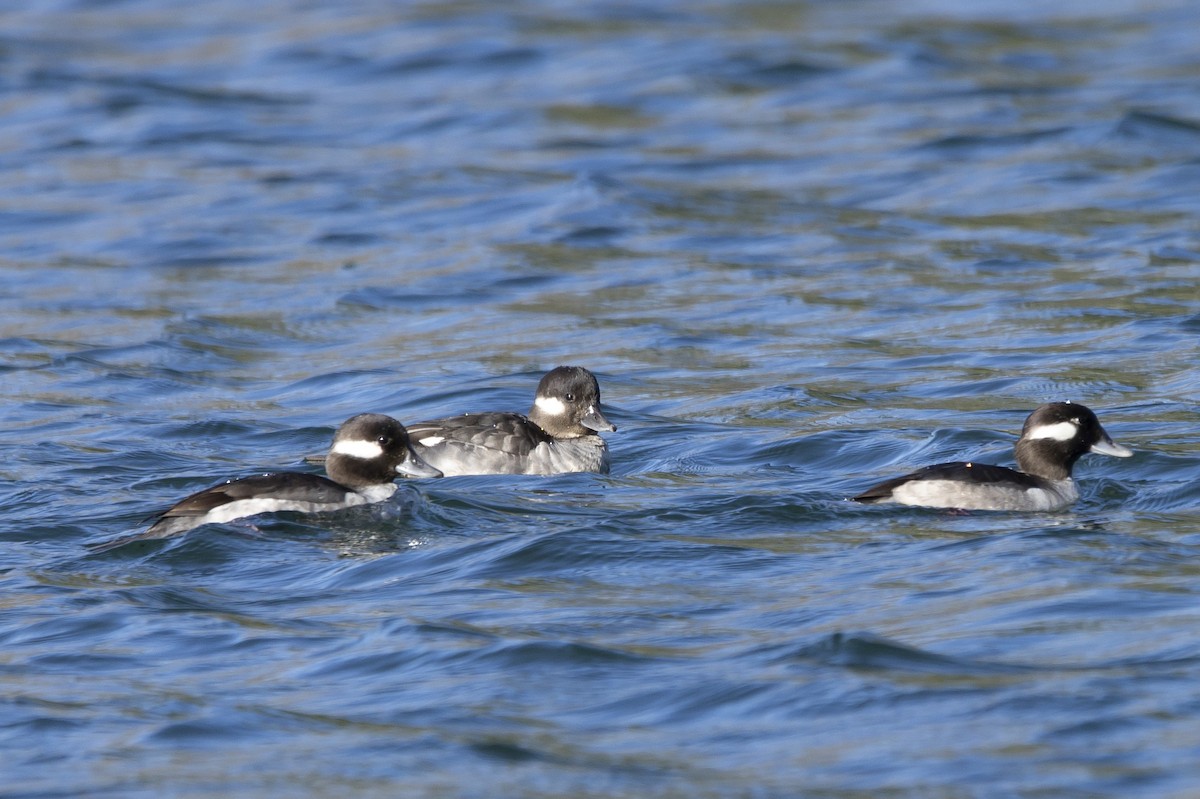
<point x="558" y="436"/>
<point x="1054" y="436"/>
<point x="368" y="452"/>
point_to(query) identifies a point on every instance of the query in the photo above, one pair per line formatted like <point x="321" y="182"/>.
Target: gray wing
<point x="296" y="486"/>
<point x="477" y="443"/>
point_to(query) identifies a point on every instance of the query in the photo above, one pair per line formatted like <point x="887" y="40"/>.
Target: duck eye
<point x="570" y="397"/>
<point x="384" y="441"/>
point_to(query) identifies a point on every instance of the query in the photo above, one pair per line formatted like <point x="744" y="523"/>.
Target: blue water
<point x="804" y="246"/>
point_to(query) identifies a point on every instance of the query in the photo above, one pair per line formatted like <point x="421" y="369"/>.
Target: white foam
<point x="357" y="448"/>
<point x="1059" y="431"/>
<point x="551" y="406"/>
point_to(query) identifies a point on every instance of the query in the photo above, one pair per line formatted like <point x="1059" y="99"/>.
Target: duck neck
<point x="355" y="472"/>
<point x="1046" y="458"/>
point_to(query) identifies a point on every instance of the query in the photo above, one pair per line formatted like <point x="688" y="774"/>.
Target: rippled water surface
<point x="804" y="246"/>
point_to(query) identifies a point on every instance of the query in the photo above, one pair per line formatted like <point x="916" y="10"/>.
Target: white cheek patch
<point x="431" y="441"/>
<point x="551" y="406"/>
<point x="1060" y="431"/>
<point x="357" y="448"/>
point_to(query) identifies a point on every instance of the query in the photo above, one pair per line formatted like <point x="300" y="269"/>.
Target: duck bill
<point x="1106" y="446"/>
<point x="594" y="420"/>
<point x="415" y="466"/>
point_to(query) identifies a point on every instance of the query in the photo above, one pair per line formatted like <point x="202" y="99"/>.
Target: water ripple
<point x="804" y="246"/>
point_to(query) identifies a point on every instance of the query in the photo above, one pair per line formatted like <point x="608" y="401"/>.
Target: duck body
<point x="559" y="435"/>
<point x="1053" y="438"/>
<point x="264" y="493"/>
<point x="505" y="443"/>
<point x="367" y="454"/>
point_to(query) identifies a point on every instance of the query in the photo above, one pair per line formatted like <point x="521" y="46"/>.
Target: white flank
<point x="1060" y="431"/>
<point x="252" y="507"/>
<point x="971" y="496"/>
<point x="357" y="448"/>
<point x="431" y="441"/>
<point x="550" y="405"/>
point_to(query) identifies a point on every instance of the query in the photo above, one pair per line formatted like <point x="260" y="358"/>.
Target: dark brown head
<point x="371" y="448"/>
<point x="1056" y="435"/>
<point x="567" y="404"/>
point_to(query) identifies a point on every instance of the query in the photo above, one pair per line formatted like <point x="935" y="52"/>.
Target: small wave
<point x="868" y="651"/>
<point x="871" y="652"/>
